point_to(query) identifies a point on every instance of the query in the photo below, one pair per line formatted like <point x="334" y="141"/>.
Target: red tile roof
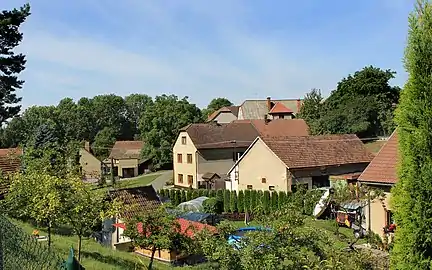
<point x="10" y="161"/>
<point x="280" y="108"/>
<point x="383" y="168"/>
<point x="126" y="149"/>
<point x="244" y="132"/>
<point x="317" y="151"/>
<point x="187" y="228"/>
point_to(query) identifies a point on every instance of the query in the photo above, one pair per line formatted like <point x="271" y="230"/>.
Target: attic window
<point x="271" y="188"/>
<point x="183" y="139"/>
<point x="263" y="180"/>
<point x="249" y="186"/>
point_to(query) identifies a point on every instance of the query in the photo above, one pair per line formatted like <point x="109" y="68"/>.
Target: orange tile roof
<point x="280" y="108"/>
<point x="317" y="151"/>
<point x="10" y="161"/>
<point x="383" y="168"/>
<point x="281" y="127"/>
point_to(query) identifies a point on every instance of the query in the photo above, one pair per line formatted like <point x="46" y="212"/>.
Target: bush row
<point x="249" y="200"/>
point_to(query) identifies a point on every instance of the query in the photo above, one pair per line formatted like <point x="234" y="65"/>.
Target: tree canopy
<point x="214" y="105"/>
<point x="411" y="195"/>
<point x="11" y="63"/>
<point x="362" y="103"/>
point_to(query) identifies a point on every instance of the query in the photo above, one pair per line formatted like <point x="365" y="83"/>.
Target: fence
<point x="19" y="250"/>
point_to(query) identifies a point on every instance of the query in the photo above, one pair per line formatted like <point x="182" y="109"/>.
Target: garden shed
<point x="194" y="205"/>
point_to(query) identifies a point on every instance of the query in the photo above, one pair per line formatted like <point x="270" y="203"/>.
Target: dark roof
<point x="232" y="109"/>
<point x="243" y="132"/>
<point x="210" y="175"/>
<point x="10" y="160"/>
<point x="317" y="151"/>
<point x="126" y="150"/>
<point x="383" y="168"/>
<point x="280" y="108"/>
<point x="136" y="200"/>
<point x="212" y="135"/>
<point x="256" y="109"/>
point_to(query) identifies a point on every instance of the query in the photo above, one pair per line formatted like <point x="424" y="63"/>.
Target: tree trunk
<point x="79" y="247"/>
<point x="152" y="258"/>
<point x="49" y="234"/>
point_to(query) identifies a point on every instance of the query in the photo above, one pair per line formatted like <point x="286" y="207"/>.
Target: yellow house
<point x="381" y="173"/>
<point x="204" y="153"/>
<point x="91" y="167"/>
<point x="283" y="162"/>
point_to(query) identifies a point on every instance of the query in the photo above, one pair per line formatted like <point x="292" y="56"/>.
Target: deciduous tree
<point x="214" y="105"/>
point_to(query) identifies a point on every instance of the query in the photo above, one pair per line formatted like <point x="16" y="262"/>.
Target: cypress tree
<point x="274" y="201"/>
<point x="253" y="200"/>
<point x="281" y="199"/>
<point x="195" y="194"/>
<point x="219" y="195"/>
<point x="233" y="202"/>
<point x="204" y="192"/>
<point x="226" y="200"/>
<point x="247" y="201"/>
<point x="171" y="195"/>
<point x="240" y="201"/>
<point x="189" y="195"/>
<point x="176" y="198"/>
<point x="411" y="197"/>
<point x="183" y="196"/>
<point x="212" y="193"/>
<point x="266" y="201"/>
<point x="162" y="192"/>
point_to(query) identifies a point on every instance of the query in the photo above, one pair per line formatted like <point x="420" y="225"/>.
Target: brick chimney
<point x="269" y="107"/>
<point x="298" y="105"/>
<point x="87" y="146"/>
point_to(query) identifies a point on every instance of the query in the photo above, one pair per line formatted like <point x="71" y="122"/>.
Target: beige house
<point x="281" y="163"/>
<point x="381" y="173"/>
<point x="203" y="153"/>
<point x="258" y="109"/>
<point x="91" y="167"/>
<point x="126" y="159"/>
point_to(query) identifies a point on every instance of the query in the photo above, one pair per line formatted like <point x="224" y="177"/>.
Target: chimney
<point x="87" y="146"/>
<point x="298" y="105"/>
<point x="269" y="107"/>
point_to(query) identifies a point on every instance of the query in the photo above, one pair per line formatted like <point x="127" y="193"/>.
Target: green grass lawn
<point x="139" y="181"/>
<point x="374" y="146"/>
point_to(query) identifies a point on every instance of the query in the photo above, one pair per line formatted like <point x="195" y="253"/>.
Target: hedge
<point x="249" y="200"/>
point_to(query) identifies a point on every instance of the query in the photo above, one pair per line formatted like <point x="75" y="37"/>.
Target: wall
<point x="127" y="163"/>
<point x="260" y="162"/>
<point x="117" y="236"/>
<point x="225" y="117"/>
<point x="91" y="166"/>
<point x="330" y="170"/>
<point x="232" y="183"/>
<point x="184" y="168"/>
<point x="217" y="161"/>
<point x="378" y="214"/>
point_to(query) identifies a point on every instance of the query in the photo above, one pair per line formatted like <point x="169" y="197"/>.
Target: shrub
<point x="240" y="202"/>
<point x="281" y="199"/>
<point x="176" y="200"/>
<point x="188" y="195"/>
<point x="162" y="192"/>
<point x="253" y="200"/>
<point x="204" y="192"/>
<point x="233" y="201"/>
<point x="212" y="193"/>
<point x="266" y="201"/>
<point x="195" y="194"/>
<point x="171" y="195"/>
<point x="213" y="206"/>
<point x="220" y="195"/>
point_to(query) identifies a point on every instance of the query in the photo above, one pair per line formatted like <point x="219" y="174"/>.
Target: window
<point x="263" y="180"/>
<point x="180" y="178"/>
<point x="190" y="179"/>
<point x="271" y="188"/>
<point x="249" y="186"/>
<point x="179" y="158"/>
<point x="281" y="116"/>
<point x="389" y="218"/>
<point x="184" y="140"/>
<point x="189" y="158"/>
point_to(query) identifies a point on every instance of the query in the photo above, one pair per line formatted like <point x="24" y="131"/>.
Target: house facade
<point x="282" y="163"/>
<point x="204" y="153"/>
<point x="91" y="167"/>
<point x="381" y="174"/>
<point x="126" y="159"/>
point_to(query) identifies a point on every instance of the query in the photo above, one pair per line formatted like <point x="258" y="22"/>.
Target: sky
<point x="238" y="49"/>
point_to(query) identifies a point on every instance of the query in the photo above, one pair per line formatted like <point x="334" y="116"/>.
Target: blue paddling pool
<point x="235" y="238"/>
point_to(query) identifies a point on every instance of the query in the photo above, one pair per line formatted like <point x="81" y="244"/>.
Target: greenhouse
<point x="194" y="205"/>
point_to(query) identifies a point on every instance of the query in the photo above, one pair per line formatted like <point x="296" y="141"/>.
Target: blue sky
<point x="205" y="49"/>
